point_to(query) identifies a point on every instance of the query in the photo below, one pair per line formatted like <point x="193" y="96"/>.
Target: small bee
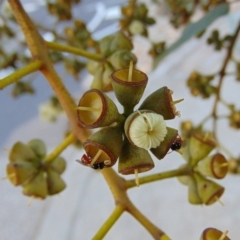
<point x="177" y="144"/>
<point x="86" y="161"/>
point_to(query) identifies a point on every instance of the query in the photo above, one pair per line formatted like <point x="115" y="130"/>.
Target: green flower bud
<point x="54" y="182"/>
<point x="129" y="91"/>
<point x="120" y="41"/>
<point x="106" y="78"/>
<point x="38" y="147"/>
<point x="96" y="109"/>
<point x="199" y="147"/>
<point x="136" y="27"/>
<point x="106" y="144"/>
<point x="37" y="186"/>
<point x="193" y="195"/>
<point x="97" y="82"/>
<point x="133" y="158"/>
<point x="209" y="191"/>
<point x="105" y="44"/>
<point x="141" y="11"/>
<point x="127" y="11"/>
<point x="58" y="165"/>
<point x="145" y="129"/>
<point x="79" y="24"/>
<point x="21" y="152"/>
<point x="161" y="151"/>
<point x="161" y="102"/>
<point x="121" y="59"/>
<point x="215" y="166"/>
<point x="183" y="179"/>
<point x="214" y="234"/>
<point x="69" y="33"/>
<point x="92" y="66"/>
<point x="20" y="172"/>
<point x="123" y="23"/>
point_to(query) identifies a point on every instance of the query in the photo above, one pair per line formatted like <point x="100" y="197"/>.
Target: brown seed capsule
<point x="133" y="158"/>
<point x="161" y="151"/>
<point x="200" y="145"/>
<point x="129" y="90"/>
<point x="161" y="102"/>
<point x="96" y="109"/>
<point x="104" y="146"/>
<point x="209" y="191"/>
<point x="215" y="166"/>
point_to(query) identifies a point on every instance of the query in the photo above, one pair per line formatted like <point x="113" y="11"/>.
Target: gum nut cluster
<point x="116" y="52"/>
<point x="28" y="169"/>
<point x="128" y="136"/>
<point x="202" y="190"/>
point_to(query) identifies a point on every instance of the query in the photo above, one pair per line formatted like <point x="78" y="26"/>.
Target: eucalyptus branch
<point x="117" y="212"/>
<point x="74" y="50"/>
<point x="118" y="188"/>
<point x="61" y="147"/>
<point x="18" y="74"/>
<point x="152" y="229"/>
<point x="222" y="74"/>
<point x="160" y="176"/>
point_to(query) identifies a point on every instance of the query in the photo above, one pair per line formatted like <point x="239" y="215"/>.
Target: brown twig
<point x="118" y="188"/>
<point x="222" y="74"/>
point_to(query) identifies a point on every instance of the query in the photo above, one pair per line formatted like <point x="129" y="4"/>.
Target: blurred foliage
<point x="135" y="19"/>
<point x="200" y="85"/>
<point x="218" y="42"/>
<point x="22" y="87"/>
<point x="182" y="11"/>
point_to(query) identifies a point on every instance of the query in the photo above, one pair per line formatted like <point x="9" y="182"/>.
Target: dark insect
<point x="86" y="161"/>
<point x="177" y="144"/>
<point x="98" y="165"/>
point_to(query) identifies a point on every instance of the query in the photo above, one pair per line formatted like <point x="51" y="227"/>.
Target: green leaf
<point x="193" y="29"/>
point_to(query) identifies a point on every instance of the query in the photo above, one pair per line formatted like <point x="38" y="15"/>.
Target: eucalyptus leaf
<point x="193" y="29"/>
